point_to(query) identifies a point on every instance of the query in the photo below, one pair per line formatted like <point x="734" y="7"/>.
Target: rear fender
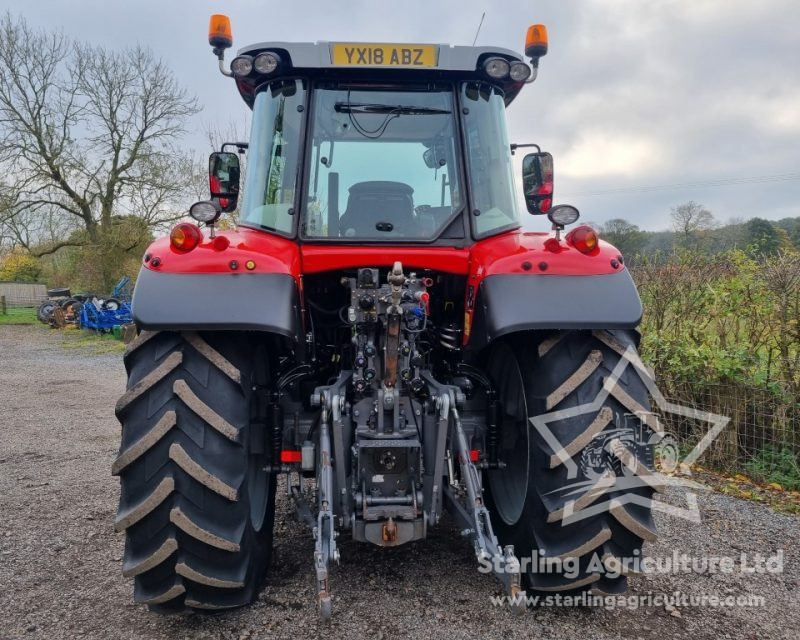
<point x="507" y="303"/>
<point x="522" y="281"/>
<point x="242" y="280"/>
<point x="202" y="301"/>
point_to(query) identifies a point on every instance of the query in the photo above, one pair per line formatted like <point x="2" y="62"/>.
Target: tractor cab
<point x="378" y="143"/>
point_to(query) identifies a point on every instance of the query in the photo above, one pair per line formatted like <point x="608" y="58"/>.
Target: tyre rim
<point x="510" y="484"/>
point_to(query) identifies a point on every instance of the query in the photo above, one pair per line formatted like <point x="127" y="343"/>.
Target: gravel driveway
<point x="60" y="561"/>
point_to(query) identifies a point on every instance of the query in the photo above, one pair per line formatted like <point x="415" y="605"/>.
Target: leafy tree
<point x="761" y="237"/>
<point x="624" y="235"/>
<point x="19" y="266"/>
<point x="95" y="267"/>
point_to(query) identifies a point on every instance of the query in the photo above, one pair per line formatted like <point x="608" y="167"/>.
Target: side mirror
<point x="537" y="182"/>
<point x="223" y="178"/>
<point x="434" y="156"/>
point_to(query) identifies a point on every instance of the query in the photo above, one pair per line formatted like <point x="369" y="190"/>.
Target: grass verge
<point x="18" y="316"/>
<point x="92" y="342"/>
<point x="741" y="486"/>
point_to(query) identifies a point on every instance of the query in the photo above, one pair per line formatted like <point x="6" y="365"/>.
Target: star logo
<point x="609" y="459"/>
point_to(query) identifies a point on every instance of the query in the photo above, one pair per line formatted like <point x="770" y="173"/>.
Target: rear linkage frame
<point x="464" y="498"/>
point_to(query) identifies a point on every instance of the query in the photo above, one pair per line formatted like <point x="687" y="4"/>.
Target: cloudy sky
<point x="644" y="103"/>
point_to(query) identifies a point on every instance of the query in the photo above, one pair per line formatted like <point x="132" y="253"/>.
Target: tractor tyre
<point x="196" y="503"/>
<point x="44" y="311"/>
<point x="577" y="502"/>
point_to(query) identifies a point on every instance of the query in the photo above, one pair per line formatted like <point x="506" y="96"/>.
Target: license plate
<point x="354" y="54"/>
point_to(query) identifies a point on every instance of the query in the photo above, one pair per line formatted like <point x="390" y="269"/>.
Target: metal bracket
<point x="474" y="519"/>
<point x="325" y="549"/>
<point x="447" y="397"/>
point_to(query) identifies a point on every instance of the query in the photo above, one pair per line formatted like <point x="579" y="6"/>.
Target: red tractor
<point x="379" y="330"/>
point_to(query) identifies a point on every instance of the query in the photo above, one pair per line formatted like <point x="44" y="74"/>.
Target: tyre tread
<point x="185" y="505"/>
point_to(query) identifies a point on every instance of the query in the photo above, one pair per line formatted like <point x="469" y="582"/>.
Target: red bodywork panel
<point x="270" y="253"/>
<point x="510" y="252"/>
<point x="534" y="253"/>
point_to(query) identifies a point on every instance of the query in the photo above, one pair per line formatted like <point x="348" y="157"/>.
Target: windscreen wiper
<point x="358" y="107"/>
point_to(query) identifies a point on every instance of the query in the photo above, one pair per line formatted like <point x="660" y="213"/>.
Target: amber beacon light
<point x="220" y="35"/>
<point x="536" y="41"/>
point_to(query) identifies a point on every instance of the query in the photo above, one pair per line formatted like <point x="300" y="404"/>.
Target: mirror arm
<point x="515" y="146"/>
<point x="240" y="146"/>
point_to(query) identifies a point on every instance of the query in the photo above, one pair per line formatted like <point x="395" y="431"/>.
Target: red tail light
<point x="185" y="236"/>
<point x="583" y="238"/>
<point x="290" y="456"/>
<point x="221" y="243"/>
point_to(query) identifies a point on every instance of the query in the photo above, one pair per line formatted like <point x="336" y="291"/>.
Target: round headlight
<point x="241" y="65"/>
<point x="266" y="62"/>
<point x="563" y="214"/>
<point x="496" y="67"/>
<point x="519" y="72"/>
<point x="204" y="211"/>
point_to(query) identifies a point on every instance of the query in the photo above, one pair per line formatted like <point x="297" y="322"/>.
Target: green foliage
<point x="757" y="237"/>
<point x="791" y="226"/>
<point x="761" y="237"/>
<point x="624" y="236"/>
<point x="723" y="330"/>
<point x="19" y="266"/>
<point x="98" y="267"/>
<point x="728" y="317"/>
<point x="776" y="464"/>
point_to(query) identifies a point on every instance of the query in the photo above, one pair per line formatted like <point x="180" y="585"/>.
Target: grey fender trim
<point x="518" y="302"/>
<point x="241" y="301"/>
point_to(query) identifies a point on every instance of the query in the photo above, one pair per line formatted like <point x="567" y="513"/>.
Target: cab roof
<point x="315" y="59"/>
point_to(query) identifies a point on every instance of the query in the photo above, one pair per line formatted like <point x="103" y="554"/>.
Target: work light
<point x="266" y="62"/>
<point x="563" y="214"/>
<point x="519" y="71"/>
<point x="205" y="211"/>
<point x="496" y="68"/>
<point x="241" y="65"/>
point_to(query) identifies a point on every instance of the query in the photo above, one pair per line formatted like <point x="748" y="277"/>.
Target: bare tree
<point x="689" y="219"/>
<point x="43" y="227"/>
<point x="87" y="132"/>
<point x="217" y="136"/>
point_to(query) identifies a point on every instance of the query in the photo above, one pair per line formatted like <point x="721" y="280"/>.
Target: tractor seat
<point x="375" y="202"/>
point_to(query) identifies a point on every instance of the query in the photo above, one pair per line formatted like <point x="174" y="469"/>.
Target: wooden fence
<point x="22" y="294"/>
